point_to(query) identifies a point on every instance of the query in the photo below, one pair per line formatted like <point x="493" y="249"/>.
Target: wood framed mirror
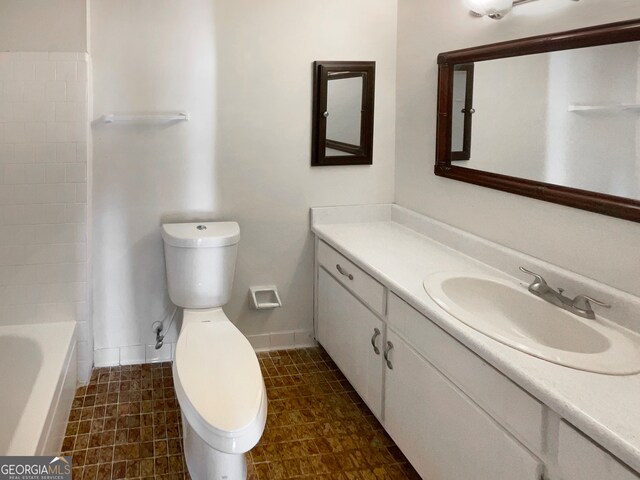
<point x="555" y="117"/>
<point x="343" y="113"/>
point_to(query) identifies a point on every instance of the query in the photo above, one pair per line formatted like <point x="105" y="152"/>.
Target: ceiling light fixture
<point x="495" y="9"/>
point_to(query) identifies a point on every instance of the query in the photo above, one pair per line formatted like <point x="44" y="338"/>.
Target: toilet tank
<point x="201" y="262"/>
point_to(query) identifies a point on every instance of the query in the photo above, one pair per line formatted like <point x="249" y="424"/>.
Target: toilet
<point x="216" y="373"/>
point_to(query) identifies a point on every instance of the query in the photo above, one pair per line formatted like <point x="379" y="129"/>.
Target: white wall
<point x="597" y="246"/>
<point x="591" y="150"/>
<point x="243" y="70"/>
<point x="43" y="25"/>
<point x="43" y="192"/>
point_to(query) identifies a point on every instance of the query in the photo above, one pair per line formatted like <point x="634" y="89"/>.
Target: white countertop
<point x="606" y="408"/>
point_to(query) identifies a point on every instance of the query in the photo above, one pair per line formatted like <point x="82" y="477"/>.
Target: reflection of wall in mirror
<point x="510" y="100"/>
<point x="344" y="104"/>
<point x="594" y="150"/>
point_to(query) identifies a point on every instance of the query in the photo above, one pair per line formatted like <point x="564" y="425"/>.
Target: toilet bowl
<point x="216" y="373"/>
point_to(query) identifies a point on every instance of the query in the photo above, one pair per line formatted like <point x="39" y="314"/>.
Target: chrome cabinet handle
<point x="386" y="355"/>
<point x="376" y="334"/>
<point x="342" y="272"/>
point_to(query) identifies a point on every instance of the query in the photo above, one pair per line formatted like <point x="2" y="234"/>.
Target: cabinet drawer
<point x="514" y="408"/>
<point x="355" y="279"/>
<point x="581" y="459"/>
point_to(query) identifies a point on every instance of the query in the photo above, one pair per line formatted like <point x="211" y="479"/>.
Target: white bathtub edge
<point x="51" y="441"/>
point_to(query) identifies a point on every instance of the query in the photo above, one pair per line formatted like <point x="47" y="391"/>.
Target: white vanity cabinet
<point x="453" y="415"/>
<point x="443" y="433"/>
<point x="349" y="331"/>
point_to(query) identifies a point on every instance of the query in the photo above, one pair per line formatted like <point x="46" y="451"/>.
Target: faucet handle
<point x="538" y="278"/>
<point x="583" y="302"/>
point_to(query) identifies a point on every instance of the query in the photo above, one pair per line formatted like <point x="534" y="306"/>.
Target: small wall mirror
<point x="554" y="117"/>
<point x="343" y="113"/>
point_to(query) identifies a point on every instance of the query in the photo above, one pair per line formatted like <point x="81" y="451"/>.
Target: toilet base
<point x="207" y="463"/>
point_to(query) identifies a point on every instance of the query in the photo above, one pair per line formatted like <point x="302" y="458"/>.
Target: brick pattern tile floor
<point x="126" y="424"/>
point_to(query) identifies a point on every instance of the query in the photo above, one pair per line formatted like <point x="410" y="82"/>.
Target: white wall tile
<point x="83" y="331"/>
<point x="6" y="108"/>
<point x="76" y="173"/>
<point x="34" y="173"/>
<point x="282" y="340"/>
<point x="56" y="91"/>
<point x="81" y="192"/>
<point x="22" y="112"/>
<point x="46" y="152"/>
<point x="14" y="174"/>
<point x="55" y="173"/>
<point x="57" y="132"/>
<point x="7" y="153"/>
<point x="64" y="56"/>
<point x="43" y="197"/>
<point x="76" y="91"/>
<point x="84" y="370"/>
<point x="66" y="70"/>
<point x="23" y="70"/>
<point x="132" y="355"/>
<point x="7" y="193"/>
<point x="30" y="56"/>
<point x="65" y="153"/>
<point x="14" y="133"/>
<point x="31" y="194"/>
<point x="35" y="132"/>
<point x="161" y="355"/>
<point x="81" y="152"/>
<point x="76" y="213"/>
<point x="82" y="71"/>
<point x="12" y="90"/>
<point x="106" y="357"/>
<point x="25" y="153"/>
<point x="45" y="111"/>
<point x="83" y="349"/>
<point x="34" y="91"/>
<point x="45" y="70"/>
<point x="260" y="342"/>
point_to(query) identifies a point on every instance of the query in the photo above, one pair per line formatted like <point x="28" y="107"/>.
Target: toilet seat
<point x="218" y="382"/>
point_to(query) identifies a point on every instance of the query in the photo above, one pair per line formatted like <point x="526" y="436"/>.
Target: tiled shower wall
<point x="43" y="192"/>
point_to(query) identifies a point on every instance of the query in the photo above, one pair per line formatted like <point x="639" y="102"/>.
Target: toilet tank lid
<point x="202" y="234"/>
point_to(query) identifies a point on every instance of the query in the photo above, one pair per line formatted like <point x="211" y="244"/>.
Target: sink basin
<point x="508" y="313"/>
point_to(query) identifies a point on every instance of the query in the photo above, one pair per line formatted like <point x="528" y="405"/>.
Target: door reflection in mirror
<point x="568" y="118"/>
<point x="463" y="111"/>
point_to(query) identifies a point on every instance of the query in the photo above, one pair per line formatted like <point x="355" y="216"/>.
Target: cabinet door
<point x="345" y="328"/>
<point x="442" y="432"/>
<point x="581" y="459"/>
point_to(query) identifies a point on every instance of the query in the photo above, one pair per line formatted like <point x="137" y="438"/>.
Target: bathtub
<point x="38" y="375"/>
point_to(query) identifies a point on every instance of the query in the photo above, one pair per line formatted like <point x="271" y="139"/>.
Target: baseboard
<point x="282" y="340"/>
<point x="137" y="354"/>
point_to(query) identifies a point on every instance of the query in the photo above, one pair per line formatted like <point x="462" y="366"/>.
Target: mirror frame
<point x="359" y="154"/>
<point x="606" y="204"/>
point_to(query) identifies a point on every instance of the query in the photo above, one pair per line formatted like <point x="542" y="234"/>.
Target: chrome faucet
<point x="580" y="305"/>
